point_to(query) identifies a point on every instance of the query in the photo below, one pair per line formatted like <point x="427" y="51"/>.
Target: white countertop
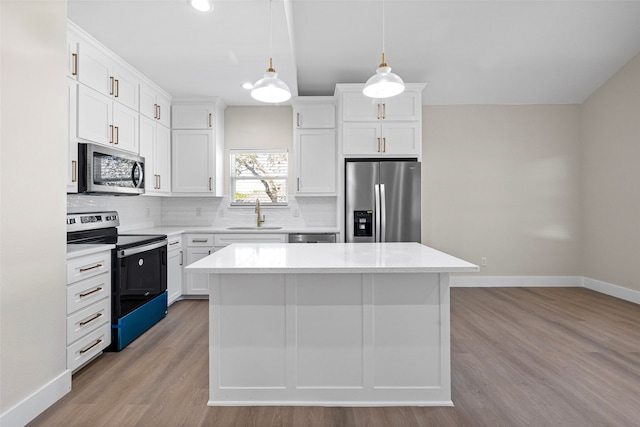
<point x="329" y="258"/>
<point x="169" y="231"/>
<point x="75" y="251"/>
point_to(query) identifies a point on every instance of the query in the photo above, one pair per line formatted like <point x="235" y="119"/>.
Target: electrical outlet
<point x="483" y="261"/>
<point x="198" y="211"/>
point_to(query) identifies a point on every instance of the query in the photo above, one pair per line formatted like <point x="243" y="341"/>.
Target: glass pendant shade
<point x="270" y="88"/>
<point x="384" y="83"/>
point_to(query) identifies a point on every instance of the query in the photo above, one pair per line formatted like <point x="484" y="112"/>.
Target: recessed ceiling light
<point x="201" y="5"/>
<point x="247" y="86"/>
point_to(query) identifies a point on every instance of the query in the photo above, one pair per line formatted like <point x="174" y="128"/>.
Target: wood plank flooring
<point x="520" y="357"/>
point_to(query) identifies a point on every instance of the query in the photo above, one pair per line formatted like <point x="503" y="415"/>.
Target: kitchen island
<point x="355" y="324"/>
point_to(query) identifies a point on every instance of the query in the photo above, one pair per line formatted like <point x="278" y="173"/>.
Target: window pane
<point x="267" y="190"/>
<point x="259" y="175"/>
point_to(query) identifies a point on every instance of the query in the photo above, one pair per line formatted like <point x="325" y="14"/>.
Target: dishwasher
<point x="312" y="238"/>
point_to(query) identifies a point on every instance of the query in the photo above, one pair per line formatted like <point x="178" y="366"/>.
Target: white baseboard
<point x="36" y="403"/>
<point x="546" y="281"/>
<point x="612" y="290"/>
<point x="515" y="281"/>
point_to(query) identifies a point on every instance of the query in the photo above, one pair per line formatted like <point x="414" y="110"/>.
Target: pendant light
<point x="270" y="88"/>
<point x="384" y="83"/>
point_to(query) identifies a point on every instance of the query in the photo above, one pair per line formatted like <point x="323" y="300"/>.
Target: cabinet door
<point x="361" y="138"/>
<point x="125" y="88"/>
<point x="405" y="106"/>
<point x="164" y="110"/>
<point x="359" y="108"/>
<point x="147" y="99"/>
<point x="147" y="150"/>
<point x="192" y="116"/>
<point x="163" y="159"/>
<point x="197" y="284"/>
<point x="315" y="116"/>
<point x="94" y="116"/>
<point x="401" y="139"/>
<point x="72" y="142"/>
<point x="315" y="161"/>
<point x="73" y="43"/>
<point x="94" y="68"/>
<point x="192" y="161"/>
<point x="125" y="123"/>
<point x="174" y="274"/>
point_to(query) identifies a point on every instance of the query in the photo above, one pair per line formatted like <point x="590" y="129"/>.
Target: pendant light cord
<point x="383" y="28"/>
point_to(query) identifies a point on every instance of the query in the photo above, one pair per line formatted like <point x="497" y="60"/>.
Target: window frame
<point x="233" y="179"/>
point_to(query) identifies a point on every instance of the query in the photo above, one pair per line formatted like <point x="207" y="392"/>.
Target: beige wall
<point x="503" y="182"/>
<point x="32" y="221"/>
<point x="258" y="128"/>
<point x="611" y="179"/>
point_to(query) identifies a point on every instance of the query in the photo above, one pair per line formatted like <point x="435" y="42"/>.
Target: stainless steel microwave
<point x="103" y="170"/>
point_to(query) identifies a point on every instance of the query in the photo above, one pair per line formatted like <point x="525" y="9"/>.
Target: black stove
<point x="138" y="272"/>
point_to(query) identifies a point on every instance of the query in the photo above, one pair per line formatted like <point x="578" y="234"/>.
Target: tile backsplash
<point x="149" y="211"/>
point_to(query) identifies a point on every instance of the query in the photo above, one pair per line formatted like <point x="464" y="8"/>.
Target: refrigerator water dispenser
<point x="363" y="223"/>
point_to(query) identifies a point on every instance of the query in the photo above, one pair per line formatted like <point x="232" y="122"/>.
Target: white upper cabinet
<point x="192" y="116"/>
<point x="197" y="145"/>
<point x="155" y="147"/>
<point x="71" y="136"/>
<point x="380" y="127"/>
<point x="356" y="107"/>
<point x="103" y="121"/>
<point x="101" y="70"/>
<point x="314" y="145"/>
<point x="314" y="115"/>
<point x="155" y="105"/>
<point x="192" y="155"/>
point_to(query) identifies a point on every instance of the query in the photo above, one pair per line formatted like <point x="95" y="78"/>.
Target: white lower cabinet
<point x="175" y="262"/>
<point x="198" y="247"/>
<point x="88" y="307"/>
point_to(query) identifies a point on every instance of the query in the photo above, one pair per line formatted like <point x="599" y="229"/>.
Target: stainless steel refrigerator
<point x="382" y="201"/>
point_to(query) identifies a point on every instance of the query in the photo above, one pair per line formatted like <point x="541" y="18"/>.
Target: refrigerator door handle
<point x="376" y="193"/>
<point x="383" y="214"/>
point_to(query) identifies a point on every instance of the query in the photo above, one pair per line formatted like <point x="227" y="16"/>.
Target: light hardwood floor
<point x="520" y="357"/>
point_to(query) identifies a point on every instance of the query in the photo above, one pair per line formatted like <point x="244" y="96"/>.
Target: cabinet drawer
<point x="227" y="239"/>
<point x="88" y="320"/>
<point x="199" y="239"/>
<point x="88" y="266"/>
<point x="88" y="347"/>
<point x="175" y="243"/>
<point x="88" y="291"/>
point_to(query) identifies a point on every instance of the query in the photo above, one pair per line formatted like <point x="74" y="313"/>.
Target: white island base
<point x="331" y="325"/>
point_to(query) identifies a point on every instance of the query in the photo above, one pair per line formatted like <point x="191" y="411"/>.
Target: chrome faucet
<point x="260" y="220"/>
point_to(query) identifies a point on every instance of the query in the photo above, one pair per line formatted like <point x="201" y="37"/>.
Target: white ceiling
<point x="468" y="52"/>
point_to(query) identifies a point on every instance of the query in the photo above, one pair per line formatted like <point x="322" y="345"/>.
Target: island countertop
<point x="261" y="258"/>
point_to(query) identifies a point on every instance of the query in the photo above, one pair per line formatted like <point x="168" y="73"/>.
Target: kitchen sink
<point x="254" y="228"/>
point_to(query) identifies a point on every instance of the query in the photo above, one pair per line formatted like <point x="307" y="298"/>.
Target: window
<point x="259" y="175"/>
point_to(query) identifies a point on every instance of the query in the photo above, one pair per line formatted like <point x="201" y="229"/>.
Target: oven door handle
<point x="123" y="253"/>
